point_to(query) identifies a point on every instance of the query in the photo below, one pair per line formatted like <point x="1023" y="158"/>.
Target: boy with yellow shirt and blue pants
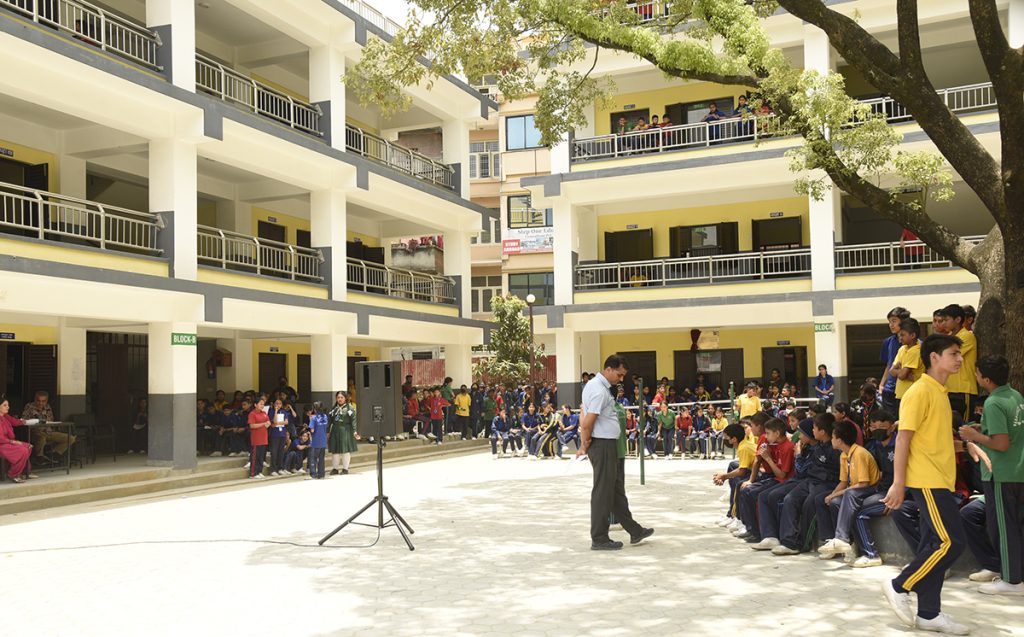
<point x="858" y="475"/>
<point x="907" y="366"/>
<point x="925" y="466"/>
<point x="962" y="386"/>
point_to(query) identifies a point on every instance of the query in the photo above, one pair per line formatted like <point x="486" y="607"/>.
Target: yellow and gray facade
<point x="190" y="201"/>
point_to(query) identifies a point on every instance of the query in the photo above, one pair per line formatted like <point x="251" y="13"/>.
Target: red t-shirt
<point x="437" y="406"/>
<point x="782" y="456"/>
<point x="412" y="408"/>
<point x="257" y="435"/>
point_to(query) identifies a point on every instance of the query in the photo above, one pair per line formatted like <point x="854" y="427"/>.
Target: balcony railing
<point x="528" y="218"/>
<point x="233" y="251"/>
<point x="47" y="215"/>
<point x="232" y="86"/>
<point x="92" y="25"/>
<point x="891" y="257"/>
<point x="744" y="266"/>
<point x="374" y="17"/>
<point x="960" y="99"/>
<point x="364" y="276"/>
<point x="407" y="161"/>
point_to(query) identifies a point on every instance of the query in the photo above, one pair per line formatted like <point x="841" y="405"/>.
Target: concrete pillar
<point x="172" y="394"/>
<point x="568" y="366"/>
<point x="458" y="263"/>
<point x="458" y="363"/>
<point x="560" y="154"/>
<point x="328" y="224"/>
<point x="829" y="350"/>
<point x="586" y="234"/>
<point x="235" y="215"/>
<point x="175" y="22"/>
<point x="172" y="194"/>
<point x="818" y="54"/>
<point x="70" y="369"/>
<point x="455" y="139"/>
<point x="328" y="366"/>
<point x="326" y="66"/>
<point x="243" y="362"/>
<point x="823" y="216"/>
<point x="72" y="177"/>
<point x="566" y="248"/>
<point x="1016" y="23"/>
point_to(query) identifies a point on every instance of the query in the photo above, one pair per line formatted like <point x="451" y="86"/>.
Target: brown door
<point x="112" y="404"/>
<point x="272" y="368"/>
<point x="41" y="372"/>
<point x="304" y="381"/>
<point x="352" y="360"/>
<point x="644" y="365"/>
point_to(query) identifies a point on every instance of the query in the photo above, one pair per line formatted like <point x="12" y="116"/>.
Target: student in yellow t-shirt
<point x="749" y="403"/>
<point x="963" y="385"/>
<point x="907" y="366"/>
<point x="858" y="475"/>
<point x="736" y="438"/>
<point x="925" y="465"/>
<point x="718" y="425"/>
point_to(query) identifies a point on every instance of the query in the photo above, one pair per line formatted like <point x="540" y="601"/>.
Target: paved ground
<point x="502" y="548"/>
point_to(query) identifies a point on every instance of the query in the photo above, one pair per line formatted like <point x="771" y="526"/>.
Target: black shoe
<point x="334" y="472"/>
<point x="344" y="472"/>
<point x="610" y="545"/>
<point x="752" y="539"/>
<point x="640" y="537"/>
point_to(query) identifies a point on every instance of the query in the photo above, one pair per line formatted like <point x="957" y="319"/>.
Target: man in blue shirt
<point x="890" y="346"/>
<point x="599" y="436"/>
<point x="825" y="386"/>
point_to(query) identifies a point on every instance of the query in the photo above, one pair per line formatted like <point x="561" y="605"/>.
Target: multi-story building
<point x="686" y="247"/>
<point x="190" y="201"/>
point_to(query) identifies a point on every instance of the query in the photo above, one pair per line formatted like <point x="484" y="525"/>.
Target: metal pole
<point x="641" y="423"/>
<point x="533" y="353"/>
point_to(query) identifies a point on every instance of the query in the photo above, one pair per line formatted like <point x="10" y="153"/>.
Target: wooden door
<point x="643" y="364"/>
<point x="304" y="381"/>
<point x="41" y="372"/>
<point x="772" y="358"/>
<point x="272" y="367"/>
<point x="112" y="402"/>
<point x="629" y="245"/>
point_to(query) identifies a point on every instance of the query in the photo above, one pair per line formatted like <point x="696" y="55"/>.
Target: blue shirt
<point x="597" y="399"/>
<point x="890" y="346"/>
<point x="827" y="382"/>
<point x="318" y="431"/>
<point x="884" y="456"/>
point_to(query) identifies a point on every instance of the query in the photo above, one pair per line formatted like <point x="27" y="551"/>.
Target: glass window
<point x="540" y="284"/>
<point x="484" y="160"/>
<point x="520" y="133"/>
<point x="522" y="214"/>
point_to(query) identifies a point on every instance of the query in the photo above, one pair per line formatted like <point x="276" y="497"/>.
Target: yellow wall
<point x="368" y="240"/>
<point x="291" y="224"/>
<point x="291" y="349"/>
<point x="371" y="353"/>
<point x="379" y="300"/>
<point x="889" y="280"/>
<point x="106" y="260"/>
<point x="657" y="100"/>
<point x="27" y="155"/>
<point x="207" y="213"/>
<point x="750" y="340"/>
<point x="694" y="291"/>
<point x="267" y="284"/>
<point x="35" y="334"/>
<point x="744" y="213"/>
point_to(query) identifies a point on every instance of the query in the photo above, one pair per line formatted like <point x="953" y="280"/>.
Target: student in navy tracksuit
<point x="297" y="450"/>
<point x="281" y="422"/>
<point x="500" y="426"/>
<point x="531" y="422"/>
<point x="569" y="430"/>
<point x="798" y="508"/>
<point x="318" y="440"/>
<point x="881" y="443"/>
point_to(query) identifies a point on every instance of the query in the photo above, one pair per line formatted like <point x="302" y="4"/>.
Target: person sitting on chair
<point x="42" y="436"/>
<point x="15" y="452"/>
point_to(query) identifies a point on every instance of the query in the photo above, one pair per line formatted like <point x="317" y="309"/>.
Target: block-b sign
<point x="824" y="327"/>
<point x="178" y="338"/>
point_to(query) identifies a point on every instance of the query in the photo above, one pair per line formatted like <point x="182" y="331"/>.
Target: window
<point x="492" y="230"/>
<point x="521" y="133"/>
<point x="484" y="288"/>
<point x="539" y="284"/>
<point x="484" y="160"/>
<point x="521" y="214"/>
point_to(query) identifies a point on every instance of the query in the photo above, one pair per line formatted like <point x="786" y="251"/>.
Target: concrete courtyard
<point x="502" y="548"/>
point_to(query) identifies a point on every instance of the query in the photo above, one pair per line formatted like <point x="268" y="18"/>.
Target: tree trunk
<point x="1011" y="332"/>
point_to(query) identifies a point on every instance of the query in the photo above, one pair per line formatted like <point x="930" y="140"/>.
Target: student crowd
<point x="947" y="467"/>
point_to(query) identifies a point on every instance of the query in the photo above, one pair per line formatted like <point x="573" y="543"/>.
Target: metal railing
<point x="233" y="251"/>
<point x="743" y="266"/>
<point x="47" y="215"/>
<point x="241" y="90"/>
<point x="528" y="218"/>
<point x="374" y="17"/>
<point x="407" y="161"/>
<point x="959" y="99"/>
<point x="890" y="257"/>
<point x="91" y="24"/>
<point x="365" y="276"/>
<point x="648" y="10"/>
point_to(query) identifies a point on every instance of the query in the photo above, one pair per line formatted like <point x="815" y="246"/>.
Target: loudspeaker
<point x="379" y="393"/>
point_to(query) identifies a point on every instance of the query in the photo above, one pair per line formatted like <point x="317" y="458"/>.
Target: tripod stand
<point x="382" y="503"/>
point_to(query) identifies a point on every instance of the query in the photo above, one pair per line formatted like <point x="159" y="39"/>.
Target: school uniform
<point x="749" y="498"/>
<point x="931" y="478"/>
<point x="499" y="431"/>
<point x="962" y="387"/>
<point x="258" y="441"/>
<point x="770" y="503"/>
<point x="293" y="458"/>
<point x="278" y="434"/>
<point x="699" y="434"/>
<point x="890" y="346"/>
<point x="667" y="423"/>
<point x="570" y="432"/>
<point x="746" y="450"/>
<point x="531" y="431"/>
<point x="977" y="531"/>
<point x="855" y="466"/>
<point x="798" y="510"/>
<point x="436" y="405"/>
<point x="1004" y="484"/>
<point x="872" y="506"/>
<point x="341" y="431"/>
<point x="684" y="425"/>
<point x="318" y="445"/>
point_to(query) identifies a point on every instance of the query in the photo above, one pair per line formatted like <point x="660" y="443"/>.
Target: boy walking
<point x="925" y="464"/>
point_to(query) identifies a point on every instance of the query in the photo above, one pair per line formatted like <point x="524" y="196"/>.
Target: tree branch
<point x="909" y="36"/>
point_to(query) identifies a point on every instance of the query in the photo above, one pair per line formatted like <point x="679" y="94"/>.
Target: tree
<point x="510" y="345"/>
<point x="550" y="47"/>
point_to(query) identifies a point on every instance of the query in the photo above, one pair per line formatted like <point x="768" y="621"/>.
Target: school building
<point x="686" y="247"/>
<point x="189" y="200"/>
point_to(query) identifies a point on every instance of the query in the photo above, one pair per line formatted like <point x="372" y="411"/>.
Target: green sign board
<point x="824" y="327"/>
<point x="178" y="338"/>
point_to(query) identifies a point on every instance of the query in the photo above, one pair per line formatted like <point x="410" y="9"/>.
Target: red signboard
<point x="510" y="246"/>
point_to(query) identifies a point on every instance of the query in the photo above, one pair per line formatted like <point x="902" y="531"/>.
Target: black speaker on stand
<point x="379" y="414"/>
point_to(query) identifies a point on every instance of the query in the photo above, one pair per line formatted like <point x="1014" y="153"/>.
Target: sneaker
<point x="431" y="436"/>
<point x="782" y="549"/>
<point x="129" y="452"/>
<point x="942" y="623"/>
<point x="739" y="530"/>
<point x="610" y="545"/>
<point x="274" y="474"/>
<point x="640" y="537"/>
<point x="532" y="457"/>
<point x="216" y="454"/>
<point x="247" y="465"/>
<point x="259" y="476"/>
<point x="495" y="456"/>
<point x="724" y="521"/>
<point x="834" y="547"/>
<point x="732" y="526"/>
<point x="334" y="472"/>
<point x="984" y="575"/>
<point x="998" y="587"/>
<point x="766" y="544"/>
<point x="344" y="472"/>
<point x="899" y="602"/>
<point x="866" y="561"/>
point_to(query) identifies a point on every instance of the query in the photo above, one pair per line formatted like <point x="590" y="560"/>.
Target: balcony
<point x="870" y="258"/>
<point x="238" y="252"/>
<point x="256" y="97"/>
<point x="529" y="218"/>
<point x="374" y="17"/>
<point x="95" y="26"/>
<point x="961" y="99"/>
<point x="375" y="278"/>
<point x="49" y="216"/>
<point x="401" y="159"/>
<point x="718" y="268"/>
